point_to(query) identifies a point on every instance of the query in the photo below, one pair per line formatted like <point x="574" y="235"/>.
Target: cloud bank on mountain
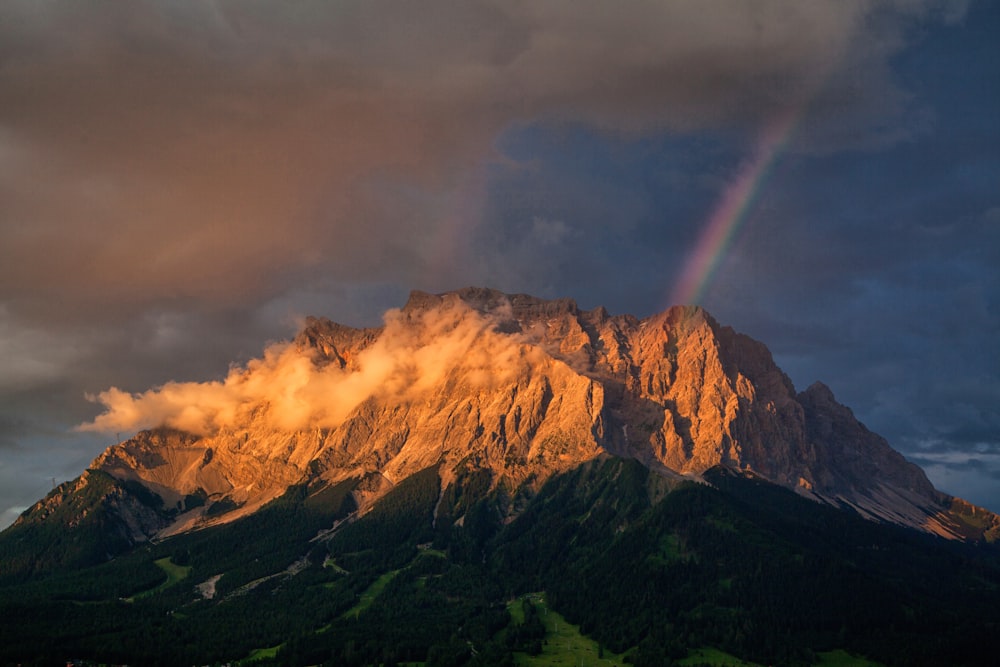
<point x="411" y="357"/>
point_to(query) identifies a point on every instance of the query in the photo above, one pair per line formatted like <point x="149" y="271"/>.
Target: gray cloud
<point x="218" y="151"/>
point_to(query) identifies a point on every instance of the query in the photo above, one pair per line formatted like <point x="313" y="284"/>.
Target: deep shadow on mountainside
<point x="660" y="478"/>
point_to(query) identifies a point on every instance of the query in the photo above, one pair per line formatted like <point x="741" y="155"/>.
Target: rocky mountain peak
<point x="820" y="393"/>
<point x="520" y="388"/>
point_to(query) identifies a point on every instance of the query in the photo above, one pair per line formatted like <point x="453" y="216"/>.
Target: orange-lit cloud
<point x="416" y="353"/>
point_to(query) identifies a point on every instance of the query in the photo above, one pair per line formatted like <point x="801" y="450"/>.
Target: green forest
<point x="439" y="577"/>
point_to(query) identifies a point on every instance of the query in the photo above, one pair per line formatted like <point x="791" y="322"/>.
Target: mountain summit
<point x="512" y="387"/>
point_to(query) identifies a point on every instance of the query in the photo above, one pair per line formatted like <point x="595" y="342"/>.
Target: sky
<point x="182" y="183"/>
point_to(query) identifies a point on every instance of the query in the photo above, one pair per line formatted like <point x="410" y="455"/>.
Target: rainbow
<point x="731" y="211"/>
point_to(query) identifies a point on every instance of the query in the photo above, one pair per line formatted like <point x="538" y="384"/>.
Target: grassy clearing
<point x="174" y="572"/>
<point x="425" y="550"/>
<point x="332" y="564"/>
<point x="261" y="654"/>
<point x="841" y="658"/>
<point x="712" y="656"/>
<point x="564" y="645"/>
<point x="369" y="595"/>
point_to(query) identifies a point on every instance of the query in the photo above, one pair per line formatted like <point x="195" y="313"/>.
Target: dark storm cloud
<point x="182" y="181"/>
<point x="11" y="428"/>
<point x="219" y="151"/>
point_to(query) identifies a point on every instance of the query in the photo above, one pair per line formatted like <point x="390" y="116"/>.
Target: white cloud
<point x="416" y="353"/>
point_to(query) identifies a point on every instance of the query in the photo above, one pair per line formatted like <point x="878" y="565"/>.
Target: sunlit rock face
<point x="524" y="388"/>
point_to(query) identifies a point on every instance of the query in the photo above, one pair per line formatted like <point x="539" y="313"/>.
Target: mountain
<point x="523" y="388"/>
<point x="440" y="489"/>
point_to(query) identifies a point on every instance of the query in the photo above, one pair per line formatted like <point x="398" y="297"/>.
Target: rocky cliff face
<point x="524" y="387"/>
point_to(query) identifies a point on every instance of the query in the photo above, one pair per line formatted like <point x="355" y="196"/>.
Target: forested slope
<point x="647" y="568"/>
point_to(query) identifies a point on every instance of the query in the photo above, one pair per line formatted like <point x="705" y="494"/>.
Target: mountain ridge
<point x="519" y="387"/>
